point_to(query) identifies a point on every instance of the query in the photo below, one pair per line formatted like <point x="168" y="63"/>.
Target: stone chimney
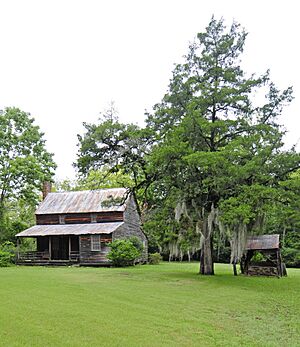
<point x="46" y="189"/>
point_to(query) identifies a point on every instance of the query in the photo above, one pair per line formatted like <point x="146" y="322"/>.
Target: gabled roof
<point x="262" y="242"/>
<point x="70" y="229"/>
<point x="103" y="200"/>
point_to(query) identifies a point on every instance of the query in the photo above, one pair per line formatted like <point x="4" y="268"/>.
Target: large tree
<point x="217" y="146"/>
<point x="118" y="149"/>
<point x="209" y="150"/>
<point x="24" y="161"/>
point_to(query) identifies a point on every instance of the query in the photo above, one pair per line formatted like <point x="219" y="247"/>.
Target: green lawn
<point x="164" y="305"/>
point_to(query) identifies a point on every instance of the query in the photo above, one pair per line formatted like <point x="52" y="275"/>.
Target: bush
<point x="7" y="253"/>
<point x="291" y="257"/>
<point x="5" y="259"/>
<point x="137" y="243"/>
<point x="155" y="258"/>
<point x="123" y="253"/>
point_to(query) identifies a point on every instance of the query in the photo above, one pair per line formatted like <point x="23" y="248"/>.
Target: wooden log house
<point x="76" y="227"/>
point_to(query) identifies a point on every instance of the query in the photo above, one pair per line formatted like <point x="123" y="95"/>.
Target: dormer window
<point x="62" y="219"/>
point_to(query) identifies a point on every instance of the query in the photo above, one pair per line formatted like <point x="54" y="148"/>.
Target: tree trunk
<point x="234" y="268"/>
<point x="189" y="255"/>
<point x="283" y="237"/>
<point x="206" y="259"/>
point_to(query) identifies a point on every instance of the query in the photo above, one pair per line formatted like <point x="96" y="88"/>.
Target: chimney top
<point x="46" y="189"/>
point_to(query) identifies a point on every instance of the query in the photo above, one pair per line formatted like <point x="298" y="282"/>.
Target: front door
<point x="60" y="247"/>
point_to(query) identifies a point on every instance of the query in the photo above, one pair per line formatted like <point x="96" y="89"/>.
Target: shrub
<point x="291" y="257"/>
<point x="5" y="259"/>
<point x="155" y="258"/>
<point x="123" y="253"/>
<point x="7" y="253"/>
<point x="137" y="243"/>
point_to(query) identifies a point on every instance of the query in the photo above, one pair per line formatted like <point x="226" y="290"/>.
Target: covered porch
<point x="59" y="244"/>
<point x="51" y="249"/>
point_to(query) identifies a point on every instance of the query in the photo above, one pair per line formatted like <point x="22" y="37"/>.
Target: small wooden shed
<point x="269" y="247"/>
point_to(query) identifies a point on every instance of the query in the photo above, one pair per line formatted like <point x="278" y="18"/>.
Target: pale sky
<point x="64" y="61"/>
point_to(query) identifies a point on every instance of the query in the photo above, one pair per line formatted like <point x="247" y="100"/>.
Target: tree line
<point x="207" y="169"/>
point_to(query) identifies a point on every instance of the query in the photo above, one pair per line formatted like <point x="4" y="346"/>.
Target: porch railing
<point x="33" y="255"/>
<point x="44" y="256"/>
<point x="74" y="255"/>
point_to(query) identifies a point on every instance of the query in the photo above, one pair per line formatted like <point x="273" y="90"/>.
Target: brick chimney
<point x="46" y="189"/>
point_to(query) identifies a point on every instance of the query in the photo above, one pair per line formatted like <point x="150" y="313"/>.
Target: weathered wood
<point x="47" y="219"/>
<point x="262" y="271"/>
<point x="69" y="247"/>
<point x="268" y="245"/>
<point x="50" y="253"/>
<point x="71" y="241"/>
<point x="132" y="227"/>
<point x="80" y="218"/>
<point x="33" y="255"/>
<point x="18" y="248"/>
<point x="260" y="242"/>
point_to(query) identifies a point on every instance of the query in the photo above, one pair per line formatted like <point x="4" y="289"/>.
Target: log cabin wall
<point x="47" y="219"/>
<point x="80" y="218"/>
<point x="132" y="227"/>
<point x="89" y="256"/>
<point x="115" y="216"/>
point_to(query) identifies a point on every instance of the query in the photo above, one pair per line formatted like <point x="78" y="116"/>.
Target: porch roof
<point x="70" y="229"/>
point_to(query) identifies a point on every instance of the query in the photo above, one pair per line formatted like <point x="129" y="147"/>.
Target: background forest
<point x="208" y="168"/>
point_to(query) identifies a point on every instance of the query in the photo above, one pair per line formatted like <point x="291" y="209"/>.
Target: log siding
<point x="118" y="222"/>
<point x="80" y="218"/>
<point x="87" y="256"/>
<point x="132" y="227"/>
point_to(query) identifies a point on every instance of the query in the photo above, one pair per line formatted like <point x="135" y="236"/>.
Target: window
<point x="62" y="219"/>
<point x="93" y="218"/>
<point x="95" y="243"/>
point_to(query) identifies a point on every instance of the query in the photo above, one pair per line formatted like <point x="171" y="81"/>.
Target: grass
<point x="164" y="305"/>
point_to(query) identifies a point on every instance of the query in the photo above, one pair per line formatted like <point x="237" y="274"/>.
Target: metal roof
<point x="70" y="229"/>
<point x="104" y="200"/>
<point x="262" y="242"/>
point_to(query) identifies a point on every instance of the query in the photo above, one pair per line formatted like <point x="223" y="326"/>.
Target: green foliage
<point x="291" y="257"/>
<point x="209" y="150"/>
<point x="7" y="253"/>
<point x="96" y="179"/>
<point x="221" y="150"/>
<point x="18" y="216"/>
<point x="5" y="259"/>
<point x="123" y="253"/>
<point x="137" y="243"/>
<point x="154" y="258"/>
<point x="24" y="161"/>
<point x="292" y="240"/>
<point x="24" y="165"/>
<point x="122" y="149"/>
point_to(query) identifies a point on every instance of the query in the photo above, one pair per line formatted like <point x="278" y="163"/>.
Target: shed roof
<point x="70" y="229"/>
<point x="103" y="200"/>
<point x="262" y="242"/>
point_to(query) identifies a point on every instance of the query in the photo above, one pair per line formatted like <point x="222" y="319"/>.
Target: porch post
<point x="49" y="247"/>
<point x="69" y="247"/>
<point x="18" y="248"/>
